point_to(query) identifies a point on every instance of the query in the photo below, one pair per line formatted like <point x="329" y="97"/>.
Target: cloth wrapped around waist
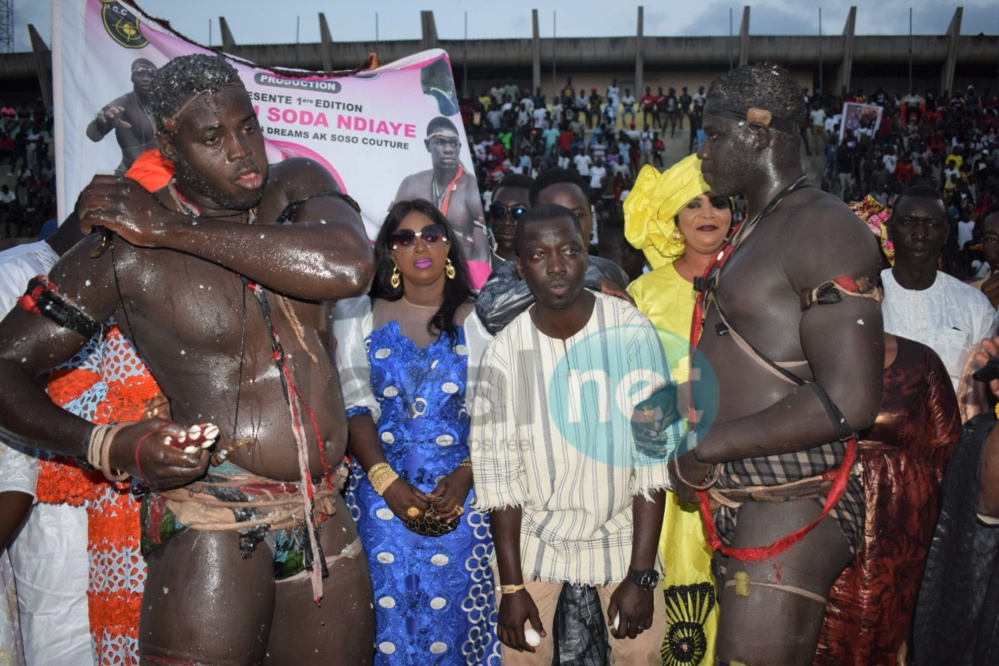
<point x="257" y="507"/>
<point x="813" y="487"/>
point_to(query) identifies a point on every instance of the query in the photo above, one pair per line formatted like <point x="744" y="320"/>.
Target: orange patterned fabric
<point x="105" y="382"/>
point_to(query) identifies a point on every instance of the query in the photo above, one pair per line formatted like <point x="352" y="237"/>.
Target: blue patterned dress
<point x="434" y="596"/>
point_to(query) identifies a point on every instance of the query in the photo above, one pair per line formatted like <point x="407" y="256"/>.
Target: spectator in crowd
<point x="922" y="303"/>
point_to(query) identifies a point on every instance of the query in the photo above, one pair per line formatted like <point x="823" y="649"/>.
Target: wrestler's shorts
<point x="251" y="513"/>
<point x="849" y="512"/>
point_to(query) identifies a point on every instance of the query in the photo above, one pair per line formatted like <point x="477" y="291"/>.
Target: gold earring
<point x="396" y="278"/>
<point x="677" y="236"/>
<point x="449" y="269"/>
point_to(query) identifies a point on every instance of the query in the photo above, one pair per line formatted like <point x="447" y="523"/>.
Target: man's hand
<point x="514" y="612"/>
<point x="691" y="471"/>
<point x="110" y="117"/>
<point x="123" y="206"/>
<point x="987" y="349"/>
<point x="609" y="289"/>
<point x="451" y="492"/>
<point x="402" y="497"/>
<point x="635" y="607"/>
<point x="163" y="454"/>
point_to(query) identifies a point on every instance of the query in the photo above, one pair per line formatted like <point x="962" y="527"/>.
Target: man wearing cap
<point x="452" y="188"/>
<point x="129" y="116"/>
<point x="789" y="366"/>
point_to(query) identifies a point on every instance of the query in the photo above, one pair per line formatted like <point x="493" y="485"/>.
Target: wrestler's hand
<point x="609" y="289"/>
<point x="402" y="496"/>
<point x="635" y="607"/>
<point x="161" y="453"/>
<point x="127" y="208"/>
<point x="515" y="611"/>
<point x="451" y="492"/>
<point x="691" y="471"/>
<point x="110" y="118"/>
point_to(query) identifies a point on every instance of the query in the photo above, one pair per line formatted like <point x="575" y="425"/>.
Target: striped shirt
<point x="551" y="434"/>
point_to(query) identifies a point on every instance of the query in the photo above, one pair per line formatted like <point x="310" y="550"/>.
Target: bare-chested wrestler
<point x="452" y="188"/>
<point x="798" y="360"/>
<point x="228" y="309"/>
<point x="130" y="116"/>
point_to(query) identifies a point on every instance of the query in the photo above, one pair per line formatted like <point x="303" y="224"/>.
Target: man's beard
<point x="202" y="186"/>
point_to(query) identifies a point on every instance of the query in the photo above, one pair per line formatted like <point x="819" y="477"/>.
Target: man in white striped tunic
<point x="573" y="496"/>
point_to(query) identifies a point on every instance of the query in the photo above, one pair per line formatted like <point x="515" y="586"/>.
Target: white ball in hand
<point x="533" y="637"/>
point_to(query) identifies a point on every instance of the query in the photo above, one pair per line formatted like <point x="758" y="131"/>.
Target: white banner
<point x="369" y="130"/>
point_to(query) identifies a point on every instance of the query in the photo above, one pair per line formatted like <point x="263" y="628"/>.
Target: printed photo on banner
<point x="384" y="134"/>
<point x="860" y="119"/>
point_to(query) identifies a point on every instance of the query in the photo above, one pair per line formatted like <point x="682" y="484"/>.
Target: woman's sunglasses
<point x="405" y="239"/>
<point x="498" y="212"/>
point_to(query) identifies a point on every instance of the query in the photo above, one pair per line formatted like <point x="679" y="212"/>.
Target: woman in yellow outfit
<point x="680" y="226"/>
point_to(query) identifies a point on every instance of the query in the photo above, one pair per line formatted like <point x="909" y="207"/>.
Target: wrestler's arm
<point x="106" y="119"/>
<point x="323" y="255"/>
<point x="842" y="342"/>
<point x="32" y="345"/>
<point x="409" y="189"/>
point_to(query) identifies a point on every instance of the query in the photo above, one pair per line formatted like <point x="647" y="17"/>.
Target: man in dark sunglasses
<point x="452" y="188"/>
<point x="511" y="199"/>
<point x="505" y="295"/>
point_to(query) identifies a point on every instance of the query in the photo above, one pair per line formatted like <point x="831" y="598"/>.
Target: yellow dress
<point x="692" y="612"/>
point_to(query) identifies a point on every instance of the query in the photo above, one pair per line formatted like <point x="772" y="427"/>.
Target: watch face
<point x="647" y="580"/>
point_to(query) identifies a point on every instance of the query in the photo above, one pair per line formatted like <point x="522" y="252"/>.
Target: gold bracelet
<point x="381" y="477"/>
<point x="467" y="462"/>
<point x="510" y="589"/>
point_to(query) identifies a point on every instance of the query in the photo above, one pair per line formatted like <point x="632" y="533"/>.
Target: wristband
<point x="510" y="589"/>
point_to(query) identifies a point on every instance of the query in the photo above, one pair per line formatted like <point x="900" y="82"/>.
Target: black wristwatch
<point x="647" y="580"/>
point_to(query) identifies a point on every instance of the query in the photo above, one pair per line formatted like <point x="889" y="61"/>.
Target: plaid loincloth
<point x="783" y="468"/>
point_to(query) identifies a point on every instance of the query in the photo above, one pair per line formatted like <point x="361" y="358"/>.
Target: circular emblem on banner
<point x="122" y="25"/>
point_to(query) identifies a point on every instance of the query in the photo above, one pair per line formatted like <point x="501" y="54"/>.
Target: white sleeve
<point x="18" y="470"/>
<point x="351" y="326"/>
<point x="478" y="338"/>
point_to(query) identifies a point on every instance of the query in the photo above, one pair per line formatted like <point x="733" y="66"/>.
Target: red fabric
<point x="841" y="476"/>
<point x="871" y="605"/>
<point x="151" y="170"/>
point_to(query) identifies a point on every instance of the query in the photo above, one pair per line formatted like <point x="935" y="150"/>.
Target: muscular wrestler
<point x="793" y="379"/>
<point x="452" y="188"/>
<point x="226" y="307"/>
<point x="129" y="116"/>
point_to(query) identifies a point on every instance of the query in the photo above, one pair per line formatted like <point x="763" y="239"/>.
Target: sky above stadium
<point x="259" y="22"/>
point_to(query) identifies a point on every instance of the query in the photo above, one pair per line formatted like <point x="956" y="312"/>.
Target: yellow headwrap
<point x="651" y="208"/>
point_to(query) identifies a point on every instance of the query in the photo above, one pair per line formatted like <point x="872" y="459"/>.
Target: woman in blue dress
<point x="406" y="356"/>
